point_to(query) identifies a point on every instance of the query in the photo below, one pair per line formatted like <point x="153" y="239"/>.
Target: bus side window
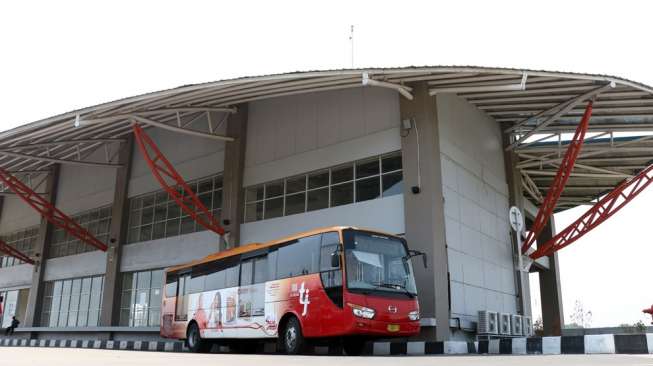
<point x="272" y="265"/>
<point x="330" y="243"/>
<point x="246" y="272"/>
<point x="171" y="286"/>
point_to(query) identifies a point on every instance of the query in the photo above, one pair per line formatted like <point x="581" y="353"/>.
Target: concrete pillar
<point x="516" y="198"/>
<point x="35" y="298"/>
<point x="234" y="165"/>
<point x="550" y="292"/>
<point x="110" y="314"/>
<point x="424" y="211"/>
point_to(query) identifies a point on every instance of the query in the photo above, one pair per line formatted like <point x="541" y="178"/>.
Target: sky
<point x="63" y="55"/>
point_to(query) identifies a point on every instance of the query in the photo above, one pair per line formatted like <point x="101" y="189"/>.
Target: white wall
<point x="193" y="157"/>
<point x="16" y="214"/>
<point x="385" y="214"/>
<point x="298" y="134"/>
<point x="83" y="188"/>
<point x="73" y="266"/>
<point x="16" y="276"/>
<point x="476" y="207"/>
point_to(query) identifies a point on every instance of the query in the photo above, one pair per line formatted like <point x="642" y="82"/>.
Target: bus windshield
<point x="377" y="262"/>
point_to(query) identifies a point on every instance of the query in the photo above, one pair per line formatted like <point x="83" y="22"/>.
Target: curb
<point x="588" y="344"/>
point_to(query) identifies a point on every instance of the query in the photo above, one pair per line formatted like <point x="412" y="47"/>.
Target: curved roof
<point x="530" y="104"/>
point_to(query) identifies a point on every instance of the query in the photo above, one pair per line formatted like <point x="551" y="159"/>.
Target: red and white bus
<point x="337" y="282"/>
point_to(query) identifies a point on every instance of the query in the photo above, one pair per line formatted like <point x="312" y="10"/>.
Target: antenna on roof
<point x="351" y="40"/>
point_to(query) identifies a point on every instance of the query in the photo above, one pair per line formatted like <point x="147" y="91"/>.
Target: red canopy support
<point x="560" y="180"/>
<point x="11" y="251"/>
<point x="48" y="211"/>
<point x="601" y="211"/>
<point x="178" y="190"/>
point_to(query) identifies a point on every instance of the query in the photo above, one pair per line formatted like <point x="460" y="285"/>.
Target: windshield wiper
<point x="395" y="286"/>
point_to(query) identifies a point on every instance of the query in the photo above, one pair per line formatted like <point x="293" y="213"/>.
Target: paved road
<point x="17" y="356"/>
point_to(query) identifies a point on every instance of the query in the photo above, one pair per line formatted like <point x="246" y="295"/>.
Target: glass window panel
<point x="217" y="200"/>
<point x="54" y="319"/>
<point x="103" y="226"/>
<point x="94" y="215"/>
<point x="218" y="182"/>
<point x="159" y="230"/>
<point x="97" y="284"/>
<point x="318" y="179"/>
<point x="205" y="199"/>
<point x="274" y="189"/>
<point x="86" y="285"/>
<point x="157" y="278"/>
<point x="246" y="270"/>
<point x="124" y="317"/>
<point x="135" y="203"/>
<point x="93" y="316"/>
<point x="367" y="168"/>
<point x="84" y="301"/>
<point x="253" y="211"/>
<point x="74" y="302"/>
<point x="187" y="225"/>
<point x="393" y="184"/>
<point x="126" y="299"/>
<point x="105" y="212"/>
<point x="232" y="276"/>
<point x="342" y="194"/>
<point x="72" y="319"/>
<point x="216" y="280"/>
<point x="160" y="212"/>
<point x="162" y="196"/>
<point x="147" y="216"/>
<point x="391" y="162"/>
<point x="342" y="174"/>
<point x="82" y="318"/>
<point x="154" y="318"/>
<point x="299" y="258"/>
<point x="172" y="227"/>
<point x="146" y="233"/>
<point x="273" y="208"/>
<point x="143" y="280"/>
<point x="134" y="235"/>
<point x="272" y="265"/>
<point x="134" y="218"/>
<point x="367" y="189"/>
<point x="56" y="304"/>
<point x="296" y="184"/>
<point x="318" y="199"/>
<point x="254" y="193"/>
<point x="205" y="186"/>
<point x="173" y="210"/>
<point x="155" y="297"/>
<point x="295" y="203"/>
<point x="260" y="269"/>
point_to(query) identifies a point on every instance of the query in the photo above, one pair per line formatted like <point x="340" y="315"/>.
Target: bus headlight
<point x="361" y="311"/>
<point x="413" y="315"/>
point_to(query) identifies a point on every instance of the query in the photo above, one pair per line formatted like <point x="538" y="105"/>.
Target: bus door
<point x="251" y="297"/>
<point x="331" y="309"/>
<point x="181" y="306"/>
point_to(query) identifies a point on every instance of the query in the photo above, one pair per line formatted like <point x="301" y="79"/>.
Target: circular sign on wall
<point x="516" y="219"/>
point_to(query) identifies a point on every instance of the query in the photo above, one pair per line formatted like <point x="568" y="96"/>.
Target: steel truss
<point x="597" y="214"/>
<point x="560" y="180"/>
<point x="48" y="211"/>
<point x="178" y="190"/>
<point x="11" y="251"/>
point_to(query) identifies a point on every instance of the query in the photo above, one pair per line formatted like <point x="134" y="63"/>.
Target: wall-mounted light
<point x="406" y="126"/>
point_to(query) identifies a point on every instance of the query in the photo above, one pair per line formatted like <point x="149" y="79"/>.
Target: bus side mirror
<point x="335" y="259"/>
<point x="415" y="253"/>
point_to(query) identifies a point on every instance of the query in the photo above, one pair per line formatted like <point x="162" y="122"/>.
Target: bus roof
<point x="255" y="246"/>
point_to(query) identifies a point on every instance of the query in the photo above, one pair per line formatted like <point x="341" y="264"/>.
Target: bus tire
<point x="194" y="340"/>
<point x="353" y="346"/>
<point x="292" y="339"/>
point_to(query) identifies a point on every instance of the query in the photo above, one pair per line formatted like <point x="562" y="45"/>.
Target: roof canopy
<point x="534" y="107"/>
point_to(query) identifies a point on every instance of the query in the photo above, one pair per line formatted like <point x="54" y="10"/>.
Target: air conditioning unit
<point x="527" y="326"/>
<point x="504" y="324"/>
<point x="488" y="322"/>
<point x="516" y="325"/>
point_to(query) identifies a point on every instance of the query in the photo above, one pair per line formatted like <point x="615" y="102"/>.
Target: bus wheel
<point x="194" y="340"/>
<point x="353" y="346"/>
<point x="293" y="340"/>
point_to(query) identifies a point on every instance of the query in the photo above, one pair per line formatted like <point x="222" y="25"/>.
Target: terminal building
<point x="435" y="154"/>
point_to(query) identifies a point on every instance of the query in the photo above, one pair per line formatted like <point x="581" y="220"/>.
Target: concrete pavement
<point x="19" y="356"/>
